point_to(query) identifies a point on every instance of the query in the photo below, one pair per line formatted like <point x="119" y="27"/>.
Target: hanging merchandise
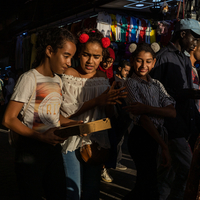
<point x="138" y="30"/>
<point x="118" y="28"/>
<point x="147" y="32"/>
<point x="142" y="31"/>
<point x="113" y="27"/>
<point x="104" y="22"/>
<point x="165" y="7"/>
<point x="153" y="36"/>
<point x="183" y="9"/>
<point x="134" y="29"/>
<point x="123" y="29"/>
<point x="128" y="30"/>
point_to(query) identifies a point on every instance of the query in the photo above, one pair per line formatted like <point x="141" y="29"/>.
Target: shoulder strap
<point x="30" y="97"/>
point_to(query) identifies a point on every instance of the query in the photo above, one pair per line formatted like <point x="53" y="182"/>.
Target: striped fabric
<point x="151" y="93"/>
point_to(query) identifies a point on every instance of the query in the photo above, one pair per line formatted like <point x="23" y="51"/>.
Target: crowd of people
<point x="152" y="96"/>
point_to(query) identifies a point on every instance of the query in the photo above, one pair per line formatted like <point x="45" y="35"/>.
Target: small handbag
<point x="93" y="154"/>
<point x="12" y="135"/>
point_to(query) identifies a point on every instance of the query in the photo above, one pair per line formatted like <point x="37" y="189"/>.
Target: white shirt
<point x="76" y="91"/>
<point x="104" y="22"/>
<point x="44" y="110"/>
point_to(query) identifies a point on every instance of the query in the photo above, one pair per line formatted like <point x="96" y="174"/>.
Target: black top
<point x="173" y="69"/>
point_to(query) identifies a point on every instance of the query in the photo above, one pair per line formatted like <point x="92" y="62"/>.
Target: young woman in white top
<point x="39" y="164"/>
<point x="87" y="97"/>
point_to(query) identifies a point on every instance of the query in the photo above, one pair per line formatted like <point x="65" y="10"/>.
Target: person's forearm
<point x="63" y="119"/>
<point x="148" y="125"/>
<point x="88" y="105"/>
<point x="16" y="125"/>
<point x="168" y="111"/>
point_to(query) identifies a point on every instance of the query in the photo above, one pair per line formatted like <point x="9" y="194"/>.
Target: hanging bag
<point x="12" y="135"/>
<point x="93" y="154"/>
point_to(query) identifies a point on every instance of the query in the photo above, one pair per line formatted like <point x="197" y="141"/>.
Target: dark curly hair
<point x="55" y="37"/>
<point x="143" y="47"/>
<point x="123" y="63"/>
<point x="94" y="36"/>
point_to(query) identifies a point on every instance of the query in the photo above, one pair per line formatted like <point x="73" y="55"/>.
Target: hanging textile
<point x="104" y="22"/>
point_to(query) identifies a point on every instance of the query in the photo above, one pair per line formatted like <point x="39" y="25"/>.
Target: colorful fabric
<point x="123" y="29"/>
<point x="147" y="32"/>
<point x="153" y="35"/>
<point x="113" y="27"/>
<point x="142" y="31"/>
<point x="104" y="22"/>
<point x="134" y="29"/>
<point x="44" y="109"/>
<point x="118" y="28"/>
<point x="77" y="91"/>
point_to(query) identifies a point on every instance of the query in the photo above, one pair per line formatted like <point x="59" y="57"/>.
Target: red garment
<point x="112" y="53"/>
<point x="109" y="71"/>
<point x="128" y="27"/>
<point x="142" y="31"/>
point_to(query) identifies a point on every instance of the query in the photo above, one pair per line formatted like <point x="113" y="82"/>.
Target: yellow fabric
<point x="113" y="27"/>
<point x="153" y="35"/>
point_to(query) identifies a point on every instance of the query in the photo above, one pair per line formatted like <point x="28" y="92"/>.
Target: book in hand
<point x="87" y="128"/>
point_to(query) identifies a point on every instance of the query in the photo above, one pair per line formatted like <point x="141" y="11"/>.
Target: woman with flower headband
<point x="87" y="96"/>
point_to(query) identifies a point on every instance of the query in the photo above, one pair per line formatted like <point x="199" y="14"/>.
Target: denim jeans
<point x="39" y="170"/>
<point x="80" y="175"/>
<point x="172" y="183"/>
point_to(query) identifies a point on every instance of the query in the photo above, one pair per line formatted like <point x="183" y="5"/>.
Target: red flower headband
<point x="85" y="37"/>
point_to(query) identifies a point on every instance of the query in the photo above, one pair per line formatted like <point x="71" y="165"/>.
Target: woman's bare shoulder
<point x="71" y="71"/>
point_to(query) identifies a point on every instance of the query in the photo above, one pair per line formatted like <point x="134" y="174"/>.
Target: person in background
<point x="193" y="184"/>
<point x="123" y="71"/>
<point x="120" y="129"/>
<point x="107" y="64"/>
<point x="38" y="159"/>
<point x="148" y="103"/>
<point x="194" y="57"/>
<point x="120" y="77"/>
<point x="174" y="70"/>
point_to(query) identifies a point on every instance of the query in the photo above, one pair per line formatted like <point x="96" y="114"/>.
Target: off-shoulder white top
<point x="76" y="91"/>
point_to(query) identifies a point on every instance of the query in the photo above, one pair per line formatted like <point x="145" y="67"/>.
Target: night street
<point x="122" y="183"/>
